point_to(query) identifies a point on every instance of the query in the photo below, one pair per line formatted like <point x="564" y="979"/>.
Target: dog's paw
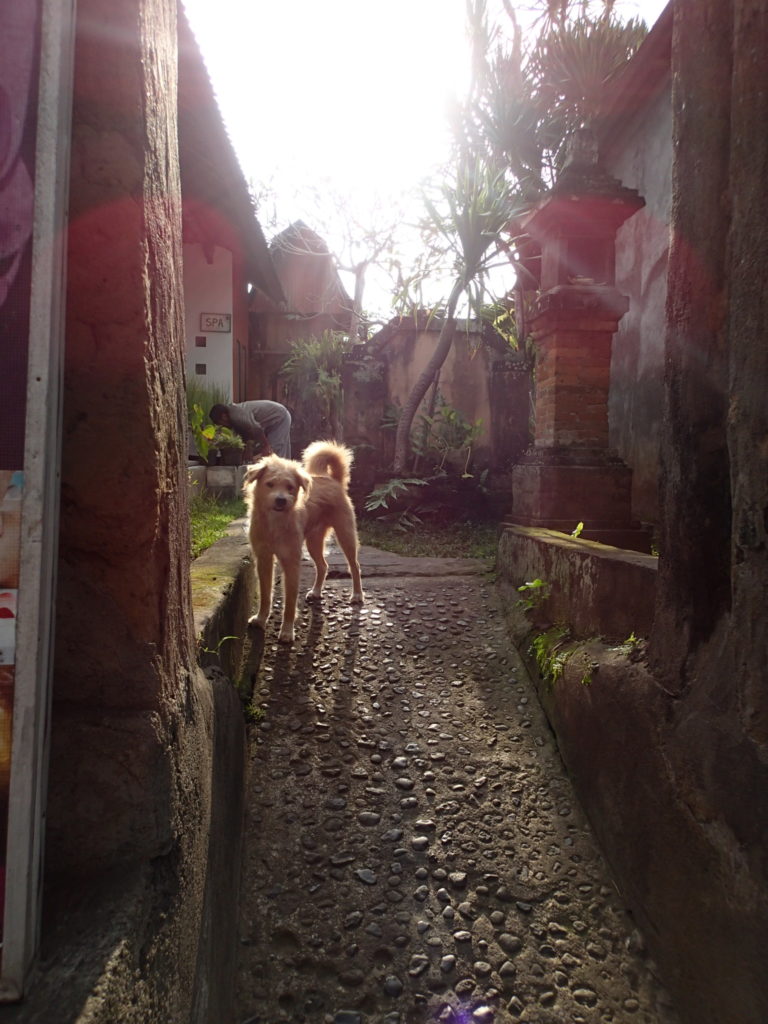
<point x="286" y="635"/>
<point x="314" y="595"/>
<point x="256" y="621"/>
<point x="357" y="599"/>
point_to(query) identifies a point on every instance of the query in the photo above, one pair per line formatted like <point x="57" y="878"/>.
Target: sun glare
<point x="346" y="100"/>
<point x="348" y="90"/>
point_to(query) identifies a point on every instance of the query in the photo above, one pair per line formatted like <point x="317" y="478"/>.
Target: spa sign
<point x="211" y="323"/>
<point x="36" y="46"/>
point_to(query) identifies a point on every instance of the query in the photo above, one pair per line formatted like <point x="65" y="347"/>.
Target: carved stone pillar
<point x="570" y="474"/>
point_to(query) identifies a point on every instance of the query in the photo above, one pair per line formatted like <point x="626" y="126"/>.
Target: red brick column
<point x="571" y="475"/>
<point x="573" y="334"/>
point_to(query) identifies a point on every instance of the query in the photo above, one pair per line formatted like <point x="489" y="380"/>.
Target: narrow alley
<point x="414" y="851"/>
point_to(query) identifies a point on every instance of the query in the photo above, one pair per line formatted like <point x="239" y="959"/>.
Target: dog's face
<point x="276" y="484"/>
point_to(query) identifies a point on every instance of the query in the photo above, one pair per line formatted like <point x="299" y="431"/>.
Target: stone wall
<point x="637" y="365"/>
<point x="669" y="746"/>
<point x="137" y="732"/>
<point x="710" y="642"/>
<point x="638" y="151"/>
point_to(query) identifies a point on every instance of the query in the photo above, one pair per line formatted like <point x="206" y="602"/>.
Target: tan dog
<point x="290" y="503"/>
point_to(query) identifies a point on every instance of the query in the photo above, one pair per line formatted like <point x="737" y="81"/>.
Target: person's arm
<point x="257" y="435"/>
<point x="257" y="444"/>
<point x="253" y="450"/>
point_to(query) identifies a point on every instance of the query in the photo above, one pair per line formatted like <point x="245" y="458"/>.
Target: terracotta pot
<point x="231" y="456"/>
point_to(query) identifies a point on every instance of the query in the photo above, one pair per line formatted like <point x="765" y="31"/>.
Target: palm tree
<point x="478" y="204"/>
<point x="527" y="99"/>
<point x="522" y="104"/>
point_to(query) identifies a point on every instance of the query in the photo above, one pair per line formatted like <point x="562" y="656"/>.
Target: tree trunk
<point x="356" y="316"/>
<point x="420" y="388"/>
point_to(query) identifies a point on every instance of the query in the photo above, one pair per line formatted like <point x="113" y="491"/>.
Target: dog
<point x="291" y="503"/>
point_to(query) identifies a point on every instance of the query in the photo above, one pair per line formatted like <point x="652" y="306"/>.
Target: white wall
<point x="642" y="159"/>
<point x="208" y="289"/>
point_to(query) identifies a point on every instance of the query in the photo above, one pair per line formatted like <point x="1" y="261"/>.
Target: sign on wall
<point x="212" y="323"/>
<point x="35" y="106"/>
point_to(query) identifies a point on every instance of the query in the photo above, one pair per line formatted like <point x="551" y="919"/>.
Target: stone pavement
<point x="414" y="851"/>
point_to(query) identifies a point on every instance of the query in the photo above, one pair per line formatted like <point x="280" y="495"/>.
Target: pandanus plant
<point x="533" y="89"/>
<point x="524" y="100"/>
<point x="471" y="211"/>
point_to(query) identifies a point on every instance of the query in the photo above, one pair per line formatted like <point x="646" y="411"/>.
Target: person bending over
<point x="264" y="426"/>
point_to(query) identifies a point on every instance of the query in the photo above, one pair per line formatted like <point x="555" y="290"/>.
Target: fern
<point x="381" y="496"/>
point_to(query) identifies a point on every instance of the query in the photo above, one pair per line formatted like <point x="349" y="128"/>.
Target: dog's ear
<point x="254" y="472"/>
<point x="303" y="479"/>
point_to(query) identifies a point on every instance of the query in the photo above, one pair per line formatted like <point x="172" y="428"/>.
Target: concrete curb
<point x="223" y="588"/>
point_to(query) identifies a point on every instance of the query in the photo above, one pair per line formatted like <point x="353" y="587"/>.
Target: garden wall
<point x="478" y="381"/>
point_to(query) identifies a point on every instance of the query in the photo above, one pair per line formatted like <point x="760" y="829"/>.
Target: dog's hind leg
<point x="346" y="535"/>
<point x="315" y="541"/>
<point x="265" y="566"/>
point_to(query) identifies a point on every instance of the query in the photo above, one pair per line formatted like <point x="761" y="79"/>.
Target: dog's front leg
<point x="265" y="565"/>
<point x="291" y="570"/>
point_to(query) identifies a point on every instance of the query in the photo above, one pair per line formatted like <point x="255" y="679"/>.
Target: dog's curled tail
<point x="326" y="457"/>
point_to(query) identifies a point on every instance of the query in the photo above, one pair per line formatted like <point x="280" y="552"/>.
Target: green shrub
<point x="209" y="519"/>
<point x="206" y="395"/>
<point x="224" y="437"/>
<point x="312" y="380"/>
<point x="201" y="397"/>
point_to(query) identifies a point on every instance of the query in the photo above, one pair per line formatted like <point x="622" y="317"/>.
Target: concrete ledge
<point x="680" y="876"/>
<point x="223" y="587"/>
<point x="632" y="759"/>
<point x="221" y="481"/>
<point x="196" y="477"/>
<point x="596" y="589"/>
<point x="225" y="481"/>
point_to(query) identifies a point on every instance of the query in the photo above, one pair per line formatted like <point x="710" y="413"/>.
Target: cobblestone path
<point x="414" y="849"/>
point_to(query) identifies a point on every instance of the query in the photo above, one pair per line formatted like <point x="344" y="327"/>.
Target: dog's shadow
<point x="288" y="658"/>
<point x="253" y="655"/>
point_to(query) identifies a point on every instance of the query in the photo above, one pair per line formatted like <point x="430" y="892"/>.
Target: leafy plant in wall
<point x="534" y="592"/>
<point x="216" y="651"/>
<point x="254" y="713"/>
<point x="590" y="667"/>
<point x="550" y="653"/>
<point x="633" y="647"/>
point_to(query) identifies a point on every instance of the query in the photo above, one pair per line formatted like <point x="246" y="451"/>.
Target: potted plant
<point x="202" y="435"/>
<point x="229" y="445"/>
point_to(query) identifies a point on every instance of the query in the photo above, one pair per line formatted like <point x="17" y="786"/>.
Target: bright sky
<point x="353" y="92"/>
<point x="349" y="90"/>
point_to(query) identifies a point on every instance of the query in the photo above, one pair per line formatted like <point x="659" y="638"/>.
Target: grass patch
<point x="447" y="540"/>
<point x="210" y="517"/>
